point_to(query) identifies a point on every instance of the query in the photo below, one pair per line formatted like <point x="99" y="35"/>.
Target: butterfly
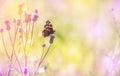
<point x="48" y="29"/>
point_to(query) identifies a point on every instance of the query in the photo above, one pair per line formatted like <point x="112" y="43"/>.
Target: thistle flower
<point x="35" y="15"/>
<point x="7" y="23"/>
<point x="27" y="17"/>
<point x="52" y="36"/>
<point x="1" y="30"/>
<point x="25" y="70"/>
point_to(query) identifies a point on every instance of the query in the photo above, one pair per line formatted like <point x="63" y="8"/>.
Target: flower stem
<point x="18" y="53"/>
<point x="32" y="30"/>
<point x="5" y="46"/>
<point x="41" y="60"/>
<point x="13" y="51"/>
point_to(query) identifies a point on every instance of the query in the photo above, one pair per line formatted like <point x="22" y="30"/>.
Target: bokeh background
<point x="87" y="35"/>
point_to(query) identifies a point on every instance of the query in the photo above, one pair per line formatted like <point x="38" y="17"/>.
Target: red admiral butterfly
<point x="48" y="29"/>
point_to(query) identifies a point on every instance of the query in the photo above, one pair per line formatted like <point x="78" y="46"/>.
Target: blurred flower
<point x="27" y="17"/>
<point x="106" y="64"/>
<point x="1" y="30"/>
<point x="19" y="22"/>
<point x="21" y="8"/>
<point x="25" y="70"/>
<point x="7" y="23"/>
<point x="35" y="15"/>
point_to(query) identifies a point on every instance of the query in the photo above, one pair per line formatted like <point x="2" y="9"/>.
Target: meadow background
<point x="87" y="35"/>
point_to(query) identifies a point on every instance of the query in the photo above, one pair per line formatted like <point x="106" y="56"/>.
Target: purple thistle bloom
<point x="35" y="15"/>
<point x="25" y="70"/>
<point x="7" y="23"/>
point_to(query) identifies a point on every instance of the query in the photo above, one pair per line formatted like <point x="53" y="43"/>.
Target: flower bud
<point x="27" y="17"/>
<point x="7" y="23"/>
<point x="51" y="38"/>
<point x="43" y="45"/>
<point x="35" y="15"/>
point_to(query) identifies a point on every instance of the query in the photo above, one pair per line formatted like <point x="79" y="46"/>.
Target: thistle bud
<point x="51" y="38"/>
<point x="7" y="23"/>
<point x="27" y="17"/>
<point x="43" y="45"/>
<point x="35" y="15"/>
